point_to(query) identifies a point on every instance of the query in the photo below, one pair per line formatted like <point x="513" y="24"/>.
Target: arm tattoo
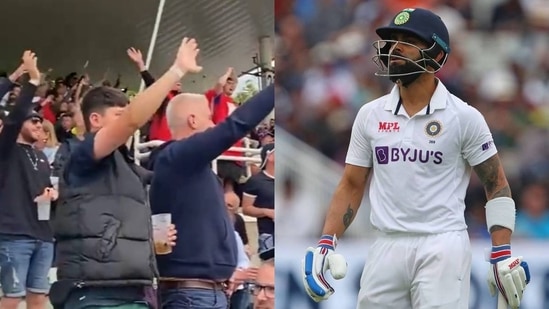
<point x="491" y="175"/>
<point x="348" y="216"/>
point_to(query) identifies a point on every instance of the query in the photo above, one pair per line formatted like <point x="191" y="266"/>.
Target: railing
<point x="247" y="152"/>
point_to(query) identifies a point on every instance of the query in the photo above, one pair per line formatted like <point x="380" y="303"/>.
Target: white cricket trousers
<point x="417" y="271"/>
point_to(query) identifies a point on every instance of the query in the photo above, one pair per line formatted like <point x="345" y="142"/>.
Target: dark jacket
<point x="103" y="230"/>
<point x="185" y="186"/>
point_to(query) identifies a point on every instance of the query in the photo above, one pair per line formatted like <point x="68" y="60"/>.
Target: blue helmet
<point x="423" y="24"/>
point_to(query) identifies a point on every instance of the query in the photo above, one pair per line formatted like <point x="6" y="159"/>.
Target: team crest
<point x="402" y="18"/>
<point x="433" y="128"/>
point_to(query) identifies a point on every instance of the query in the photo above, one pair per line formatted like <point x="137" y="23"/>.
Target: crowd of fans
<point x="499" y="63"/>
<point x="56" y="105"/>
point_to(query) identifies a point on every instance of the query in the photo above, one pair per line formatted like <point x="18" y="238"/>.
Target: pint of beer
<point x="160" y="223"/>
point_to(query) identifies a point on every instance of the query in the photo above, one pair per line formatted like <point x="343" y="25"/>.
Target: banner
<point x="290" y="293"/>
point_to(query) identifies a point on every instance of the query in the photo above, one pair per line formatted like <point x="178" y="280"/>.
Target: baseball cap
<point x="32" y="114"/>
<point x="266" y="246"/>
<point x="421" y="22"/>
<point x="265" y="153"/>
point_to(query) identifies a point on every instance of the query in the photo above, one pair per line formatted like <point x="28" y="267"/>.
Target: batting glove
<point x="317" y="262"/>
<point x="508" y="275"/>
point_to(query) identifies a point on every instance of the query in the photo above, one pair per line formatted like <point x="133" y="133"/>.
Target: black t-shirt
<point x="26" y="174"/>
<point x="261" y="186"/>
<point x="240" y="228"/>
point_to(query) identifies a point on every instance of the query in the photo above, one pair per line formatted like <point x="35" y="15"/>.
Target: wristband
<point x="500" y="253"/>
<point x="177" y="71"/>
<point x="328" y="241"/>
<point x="500" y="211"/>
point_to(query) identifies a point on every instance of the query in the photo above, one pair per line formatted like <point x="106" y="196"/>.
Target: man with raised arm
<point x="105" y="253"/>
<point x="205" y="258"/>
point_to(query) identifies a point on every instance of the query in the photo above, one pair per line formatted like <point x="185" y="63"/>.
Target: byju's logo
<point x="385" y="126"/>
<point x="487" y="145"/>
<point x="384" y="155"/>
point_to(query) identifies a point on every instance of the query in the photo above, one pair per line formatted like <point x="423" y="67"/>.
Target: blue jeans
<point x="100" y="297"/>
<point x="193" y="299"/>
<point x="24" y="266"/>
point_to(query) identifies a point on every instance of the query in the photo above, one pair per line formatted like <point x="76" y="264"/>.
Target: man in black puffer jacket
<point x="105" y="252"/>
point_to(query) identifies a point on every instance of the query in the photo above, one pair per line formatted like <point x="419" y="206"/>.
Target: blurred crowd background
<point x="499" y="64"/>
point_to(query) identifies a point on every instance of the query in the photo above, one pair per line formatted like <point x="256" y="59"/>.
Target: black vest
<point x="103" y="230"/>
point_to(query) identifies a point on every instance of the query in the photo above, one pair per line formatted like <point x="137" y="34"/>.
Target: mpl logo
<point x="384" y="155"/>
<point x="385" y="126"/>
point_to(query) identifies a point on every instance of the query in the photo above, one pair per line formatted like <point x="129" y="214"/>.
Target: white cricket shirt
<point x="421" y="166"/>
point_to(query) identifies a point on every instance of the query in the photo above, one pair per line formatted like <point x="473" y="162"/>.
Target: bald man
<point x="264" y="286"/>
<point x="184" y="185"/>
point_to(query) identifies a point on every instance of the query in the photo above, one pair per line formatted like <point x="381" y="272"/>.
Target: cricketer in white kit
<point x="418" y="145"/>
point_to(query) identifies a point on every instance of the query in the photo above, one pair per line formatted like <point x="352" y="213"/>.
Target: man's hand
<point x="49" y="194"/>
<point x="186" y="56"/>
<point x="508" y="275"/>
<point x="85" y="81"/>
<point x="238" y="277"/>
<point x="224" y="77"/>
<point x="172" y="235"/>
<point x="136" y="56"/>
<point x="270" y="213"/>
<point x="30" y="63"/>
<point x="317" y="262"/>
<point x="251" y="273"/>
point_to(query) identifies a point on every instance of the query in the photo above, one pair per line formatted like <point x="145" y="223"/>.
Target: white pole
<point x="136" y="136"/>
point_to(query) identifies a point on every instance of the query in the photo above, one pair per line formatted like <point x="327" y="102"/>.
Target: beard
<point x="405" y="68"/>
<point x="28" y="136"/>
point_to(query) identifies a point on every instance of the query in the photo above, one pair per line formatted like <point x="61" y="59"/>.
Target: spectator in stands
<point x="185" y="186"/>
<point x="263" y="288"/>
<point x="8" y="96"/>
<point x="258" y="197"/>
<point x="533" y="217"/>
<point x="50" y="142"/>
<point x="265" y="136"/>
<point x="12" y="97"/>
<point x="47" y="109"/>
<point x="112" y="263"/>
<point x="222" y="105"/>
<point x="266" y="247"/>
<point x="232" y="201"/>
<point x="240" y="298"/>
<point x="26" y="242"/>
<point x="64" y="126"/>
<point x="158" y="128"/>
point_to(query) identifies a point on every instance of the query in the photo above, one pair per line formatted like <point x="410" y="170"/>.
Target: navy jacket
<point x="185" y="186"/>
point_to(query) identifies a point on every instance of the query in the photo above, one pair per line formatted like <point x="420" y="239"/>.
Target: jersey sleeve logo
<point x="487" y="145"/>
<point x="433" y="128"/>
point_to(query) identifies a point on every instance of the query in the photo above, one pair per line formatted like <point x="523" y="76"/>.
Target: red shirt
<point x="159" y="129"/>
<point x="220" y="105"/>
<point x="47" y="113"/>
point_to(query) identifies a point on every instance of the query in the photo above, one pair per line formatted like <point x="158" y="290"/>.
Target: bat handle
<point x="502" y="304"/>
